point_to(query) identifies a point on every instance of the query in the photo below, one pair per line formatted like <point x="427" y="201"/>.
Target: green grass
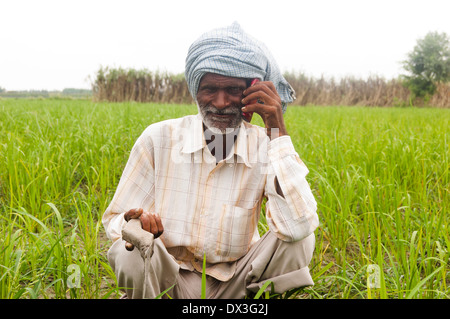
<point x="380" y="177"/>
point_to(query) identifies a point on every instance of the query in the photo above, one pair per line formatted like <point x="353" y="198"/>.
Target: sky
<point x="52" y="45"/>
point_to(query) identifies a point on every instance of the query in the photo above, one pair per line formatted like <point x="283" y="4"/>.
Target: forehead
<point x="212" y="79"/>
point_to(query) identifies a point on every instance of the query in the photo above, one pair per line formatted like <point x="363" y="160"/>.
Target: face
<point x="219" y="101"/>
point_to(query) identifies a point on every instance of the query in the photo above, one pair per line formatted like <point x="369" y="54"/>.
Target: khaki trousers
<point x="285" y="264"/>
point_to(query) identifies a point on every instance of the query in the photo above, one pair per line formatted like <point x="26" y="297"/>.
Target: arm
<point x="291" y="215"/>
<point x="291" y="207"/>
<point x="134" y="196"/>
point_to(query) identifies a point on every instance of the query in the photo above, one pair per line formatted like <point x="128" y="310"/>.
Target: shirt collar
<point x="194" y="140"/>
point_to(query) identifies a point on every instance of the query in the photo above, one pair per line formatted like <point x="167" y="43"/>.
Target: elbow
<point x="299" y="230"/>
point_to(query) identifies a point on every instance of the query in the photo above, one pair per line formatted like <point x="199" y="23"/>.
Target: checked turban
<point x="231" y="52"/>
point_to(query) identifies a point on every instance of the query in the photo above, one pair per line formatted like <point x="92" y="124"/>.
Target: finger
<point x="261" y="109"/>
<point x="129" y="214"/>
<point x="266" y="86"/>
<point x="159" y="225"/>
<point x="259" y="96"/>
<point x="271" y="87"/>
<point x="129" y="246"/>
<point x="153" y="225"/>
<point x="254" y="97"/>
<point x="271" y="115"/>
<point x="133" y="213"/>
<point x="145" y="221"/>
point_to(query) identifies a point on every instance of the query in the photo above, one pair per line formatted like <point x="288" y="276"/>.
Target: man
<point x="194" y="186"/>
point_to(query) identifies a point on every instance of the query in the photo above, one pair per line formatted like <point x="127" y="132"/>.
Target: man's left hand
<point x="268" y="105"/>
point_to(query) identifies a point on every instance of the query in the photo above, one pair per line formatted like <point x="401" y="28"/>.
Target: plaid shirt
<point x="210" y="209"/>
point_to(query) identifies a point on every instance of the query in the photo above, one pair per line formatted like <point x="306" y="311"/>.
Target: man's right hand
<point x="149" y="222"/>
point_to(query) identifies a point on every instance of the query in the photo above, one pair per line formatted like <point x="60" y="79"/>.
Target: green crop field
<point x="380" y="177"/>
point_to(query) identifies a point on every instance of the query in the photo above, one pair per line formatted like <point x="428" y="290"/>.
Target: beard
<point x="221" y="121"/>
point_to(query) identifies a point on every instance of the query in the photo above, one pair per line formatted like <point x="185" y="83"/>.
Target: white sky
<point x="51" y="45"/>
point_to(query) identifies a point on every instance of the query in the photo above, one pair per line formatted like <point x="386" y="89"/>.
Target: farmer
<point x="193" y="187"/>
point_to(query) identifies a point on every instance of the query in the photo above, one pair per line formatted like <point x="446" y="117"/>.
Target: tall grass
<point x="380" y="177"/>
<point x="60" y="162"/>
<point x="118" y="85"/>
<point x="372" y="91"/>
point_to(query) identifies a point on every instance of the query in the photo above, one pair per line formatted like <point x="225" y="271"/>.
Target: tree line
<point x="119" y="85"/>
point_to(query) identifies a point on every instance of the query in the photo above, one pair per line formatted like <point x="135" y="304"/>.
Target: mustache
<point x="233" y="109"/>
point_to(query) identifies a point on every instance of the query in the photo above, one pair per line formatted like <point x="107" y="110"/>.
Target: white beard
<point x="214" y="129"/>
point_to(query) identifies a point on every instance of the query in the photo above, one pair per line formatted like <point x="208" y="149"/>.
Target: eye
<point x="208" y="89"/>
<point x="235" y="90"/>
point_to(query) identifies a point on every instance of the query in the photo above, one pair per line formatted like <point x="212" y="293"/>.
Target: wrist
<point x="275" y="132"/>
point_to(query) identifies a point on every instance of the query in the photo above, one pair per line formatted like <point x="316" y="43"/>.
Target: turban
<point x="231" y="52"/>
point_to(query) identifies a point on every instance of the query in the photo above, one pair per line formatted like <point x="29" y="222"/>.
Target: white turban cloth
<point x="231" y="52"/>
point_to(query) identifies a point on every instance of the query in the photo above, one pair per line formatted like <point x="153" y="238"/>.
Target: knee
<point x="286" y="266"/>
<point x="298" y="252"/>
<point x="125" y="263"/>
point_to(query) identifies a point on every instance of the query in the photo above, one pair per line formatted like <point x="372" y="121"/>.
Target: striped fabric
<point x="231" y="52"/>
<point x="210" y="209"/>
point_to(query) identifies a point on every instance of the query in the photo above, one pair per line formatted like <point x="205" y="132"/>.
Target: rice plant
<point x="380" y="177"/>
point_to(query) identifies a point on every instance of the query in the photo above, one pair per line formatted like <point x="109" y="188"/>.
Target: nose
<point x="221" y="100"/>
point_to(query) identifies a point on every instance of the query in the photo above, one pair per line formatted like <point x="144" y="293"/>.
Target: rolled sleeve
<point x="135" y="189"/>
<point x="292" y="216"/>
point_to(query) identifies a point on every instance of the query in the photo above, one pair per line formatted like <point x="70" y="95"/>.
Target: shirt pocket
<point x="235" y="229"/>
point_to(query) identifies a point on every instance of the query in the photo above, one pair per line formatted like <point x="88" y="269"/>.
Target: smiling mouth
<point x="222" y="115"/>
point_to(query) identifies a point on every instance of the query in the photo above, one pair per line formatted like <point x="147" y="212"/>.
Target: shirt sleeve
<point x="135" y="188"/>
<point x="292" y="216"/>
